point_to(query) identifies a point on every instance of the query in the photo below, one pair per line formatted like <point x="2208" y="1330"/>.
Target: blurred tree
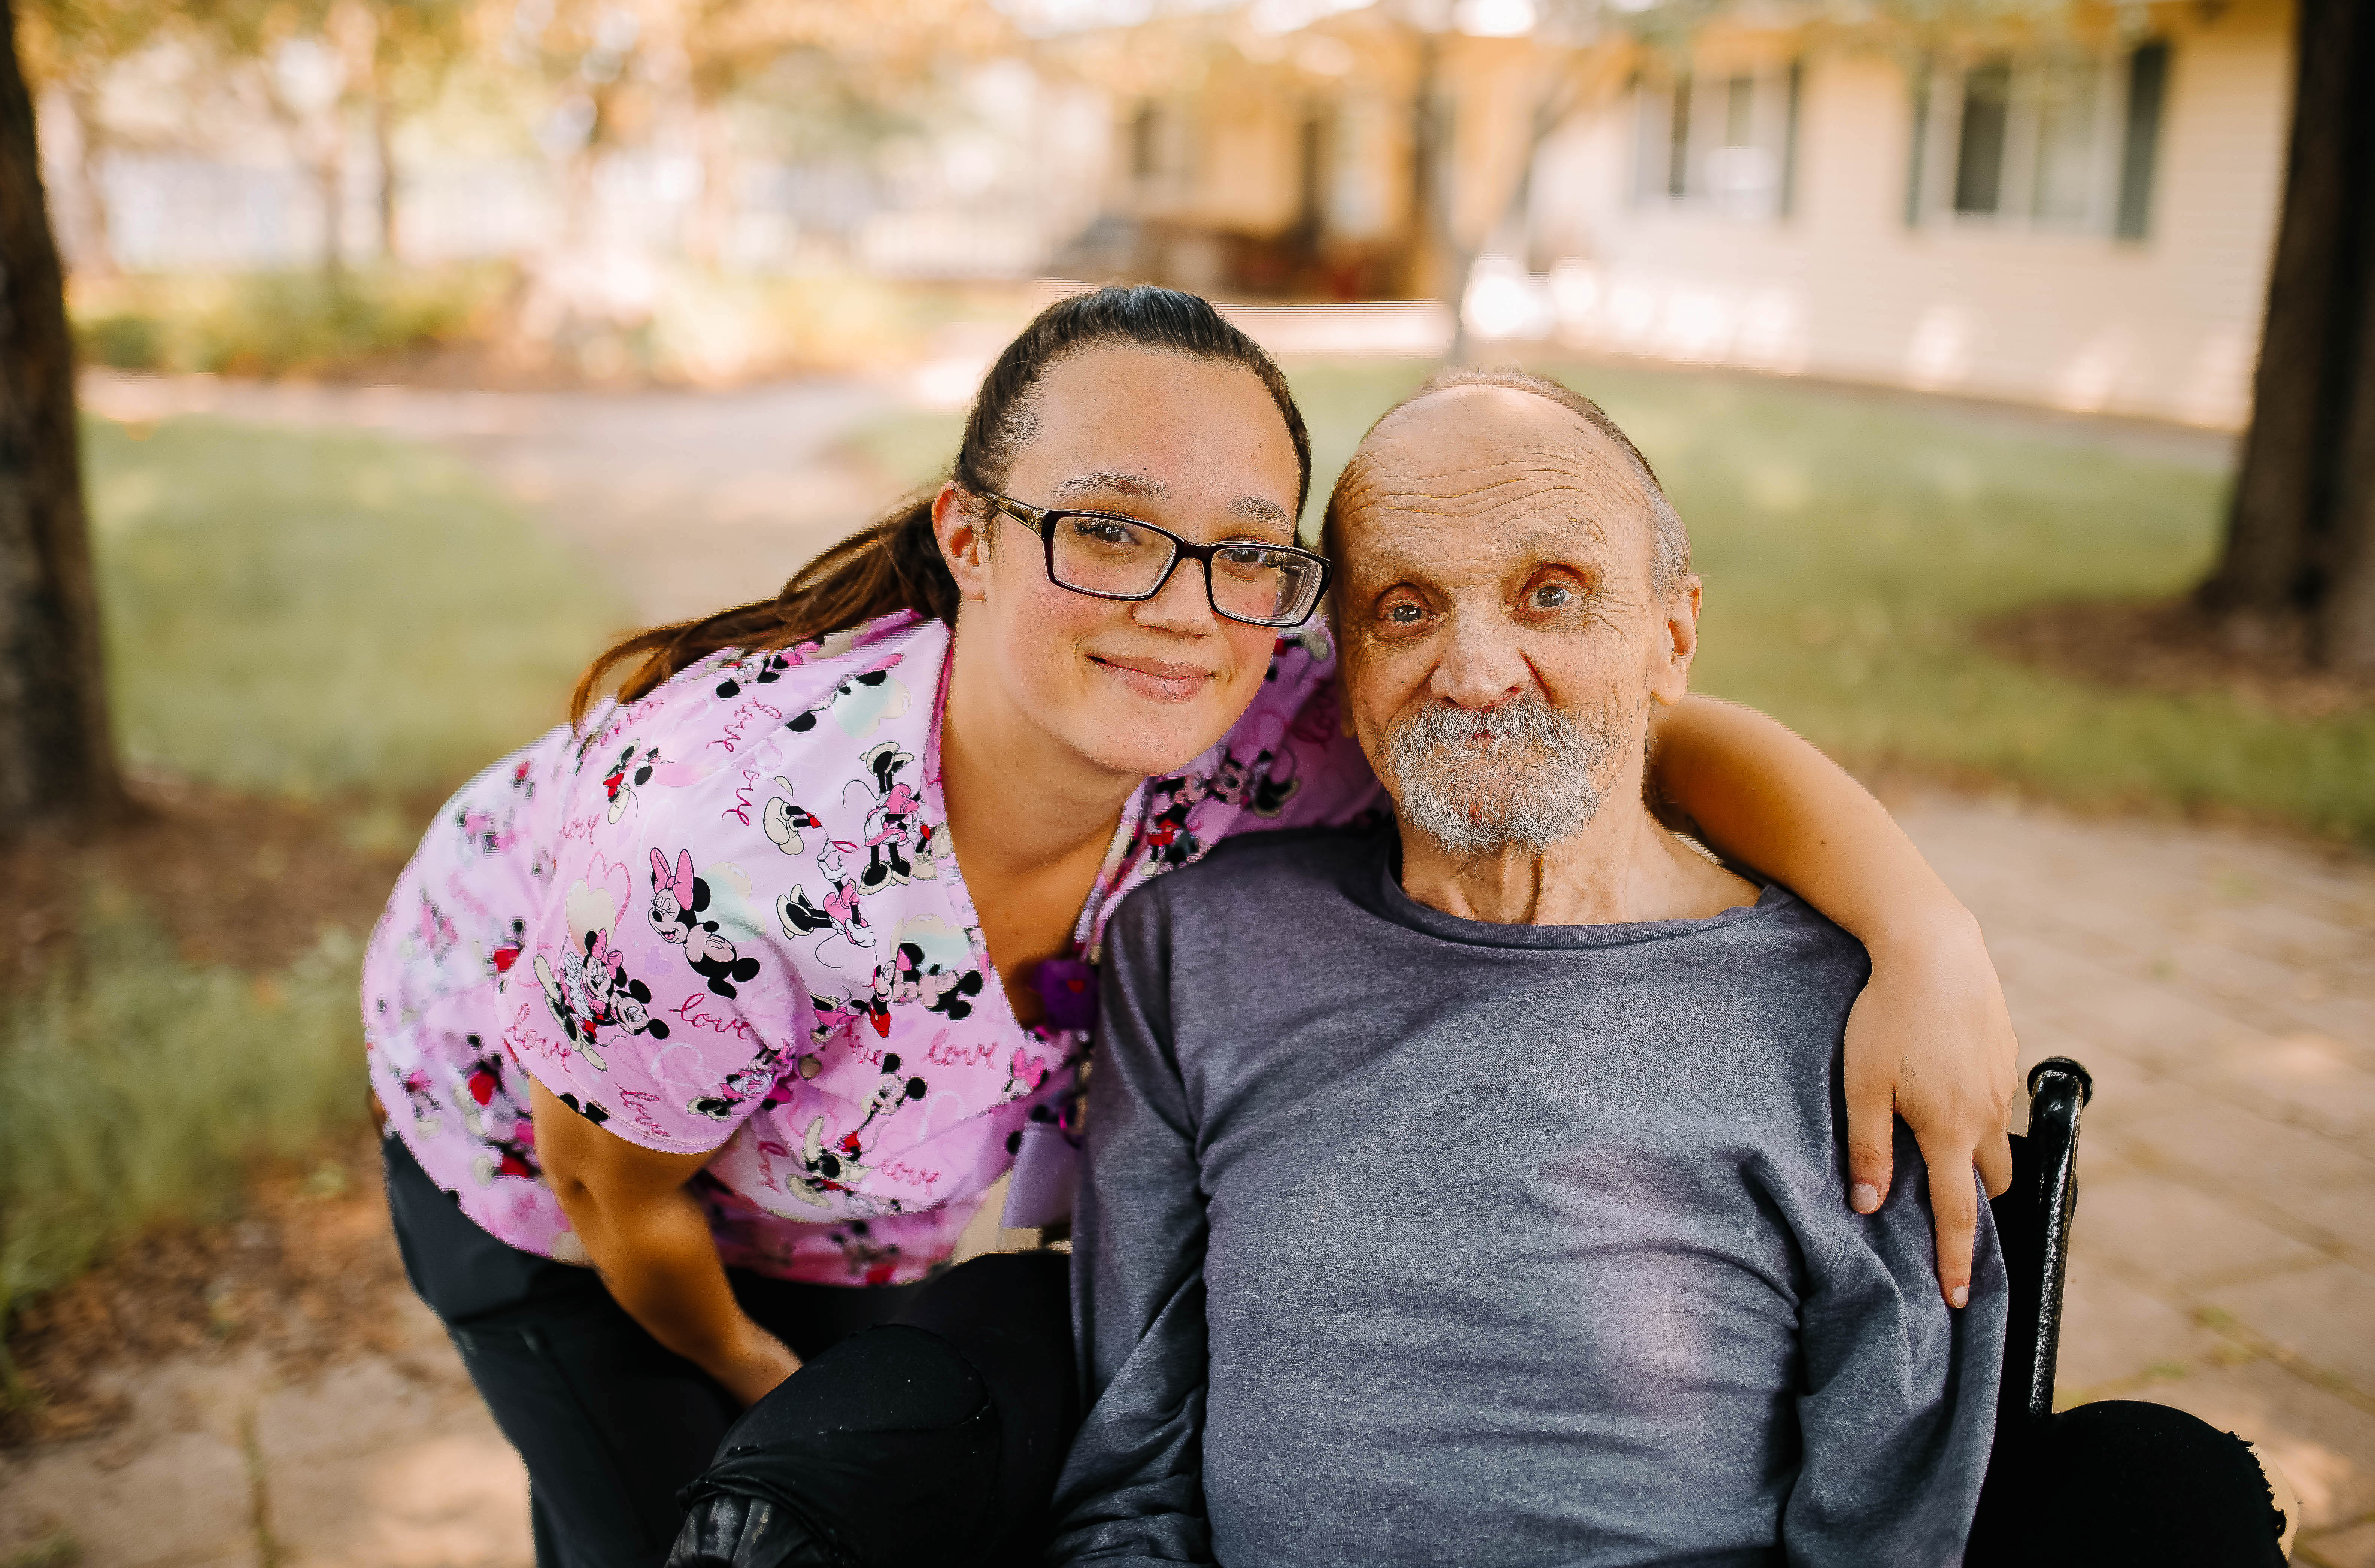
<point x="624" y="72"/>
<point x="2300" y="538"/>
<point x="57" y="758"/>
<point x="72" y="45"/>
<point x="398" y="55"/>
<point x="285" y="49"/>
<point x="1563" y="73"/>
<point x="873" y="56"/>
<point x="320" y="65"/>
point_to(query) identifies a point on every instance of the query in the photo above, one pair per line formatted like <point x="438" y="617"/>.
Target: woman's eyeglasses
<point x="1110" y="556"/>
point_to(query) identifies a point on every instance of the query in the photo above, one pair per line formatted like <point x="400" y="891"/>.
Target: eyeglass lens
<point x="1251" y="582"/>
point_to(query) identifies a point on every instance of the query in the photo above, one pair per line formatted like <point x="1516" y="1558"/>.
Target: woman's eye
<point x="1553" y="595"/>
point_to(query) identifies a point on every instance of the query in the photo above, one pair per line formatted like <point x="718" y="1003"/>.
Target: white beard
<point x="1535" y="783"/>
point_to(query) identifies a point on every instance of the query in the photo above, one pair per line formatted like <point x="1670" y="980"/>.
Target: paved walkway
<point x="2220" y="986"/>
<point x="689" y="501"/>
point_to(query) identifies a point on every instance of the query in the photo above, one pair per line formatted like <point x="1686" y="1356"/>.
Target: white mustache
<point x="1519" y="775"/>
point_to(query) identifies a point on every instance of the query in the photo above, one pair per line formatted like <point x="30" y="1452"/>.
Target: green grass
<point x="1848" y="545"/>
<point x="303" y="612"/>
<point x="286" y="613"/>
<point x="135" y="1089"/>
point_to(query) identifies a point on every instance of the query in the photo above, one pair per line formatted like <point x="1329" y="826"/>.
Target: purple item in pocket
<point x="1046" y="1175"/>
<point x="1068" y="989"/>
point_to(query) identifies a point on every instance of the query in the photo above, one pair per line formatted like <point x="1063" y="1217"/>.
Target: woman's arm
<point x="1929" y="1040"/>
<point x="650" y="1239"/>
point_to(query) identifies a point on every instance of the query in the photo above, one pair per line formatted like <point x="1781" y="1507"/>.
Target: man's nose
<point x="1480" y="667"/>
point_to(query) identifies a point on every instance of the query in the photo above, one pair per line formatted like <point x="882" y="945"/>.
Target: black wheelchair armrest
<point x="2033" y="1218"/>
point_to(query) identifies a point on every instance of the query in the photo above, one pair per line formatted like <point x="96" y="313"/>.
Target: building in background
<point x="2079" y="216"/>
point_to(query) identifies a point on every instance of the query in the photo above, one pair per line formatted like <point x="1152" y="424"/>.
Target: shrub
<point x="280" y="322"/>
<point x="134" y="1087"/>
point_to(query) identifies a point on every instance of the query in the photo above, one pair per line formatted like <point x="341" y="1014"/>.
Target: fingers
<point x="1955" y="1207"/>
<point x="1872" y="1137"/>
<point x="1994" y="1157"/>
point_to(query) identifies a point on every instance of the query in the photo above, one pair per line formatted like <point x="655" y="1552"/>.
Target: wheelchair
<point x="2033" y="1218"/>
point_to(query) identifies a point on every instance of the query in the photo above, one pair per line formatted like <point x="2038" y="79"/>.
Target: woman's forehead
<point x="1105" y="484"/>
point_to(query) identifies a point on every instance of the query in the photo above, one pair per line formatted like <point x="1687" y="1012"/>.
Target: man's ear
<point x="1678" y="644"/>
<point x="964" y="536"/>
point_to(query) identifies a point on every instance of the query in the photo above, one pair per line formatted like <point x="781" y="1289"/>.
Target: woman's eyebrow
<point x="1109" y="482"/>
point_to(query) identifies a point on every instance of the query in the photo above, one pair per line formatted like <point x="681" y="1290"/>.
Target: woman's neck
<point x="1029" y="821"/>
<point x="1018" y="800"/>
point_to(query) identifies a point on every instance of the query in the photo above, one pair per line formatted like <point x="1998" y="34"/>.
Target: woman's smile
<point x="1158" y="678"/>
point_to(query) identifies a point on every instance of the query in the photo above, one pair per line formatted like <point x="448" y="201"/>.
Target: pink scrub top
<point x="727" y="917"/>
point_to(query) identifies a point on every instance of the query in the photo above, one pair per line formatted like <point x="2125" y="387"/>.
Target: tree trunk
<point x="383" y="147"/>
<point x="329" y="178"/>
<point x="1436" y="264"/>
<point x="95" y="243"/>
<point x="57" y="759"/>
<point x="2297" y="541"/>
<point x="710" y="227"/>
<point x="2341" y="625"/>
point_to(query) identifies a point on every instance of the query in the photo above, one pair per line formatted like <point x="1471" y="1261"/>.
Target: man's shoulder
<point x="1790" y="941"/>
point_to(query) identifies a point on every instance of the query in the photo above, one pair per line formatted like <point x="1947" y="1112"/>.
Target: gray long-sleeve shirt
<point x="1406" y="1239"/>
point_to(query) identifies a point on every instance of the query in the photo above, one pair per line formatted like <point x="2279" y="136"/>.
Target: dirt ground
<point x="288" y="1403"/>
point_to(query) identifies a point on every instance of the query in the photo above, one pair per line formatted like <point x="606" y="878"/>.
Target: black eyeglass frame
<point x="1038" y="518"/>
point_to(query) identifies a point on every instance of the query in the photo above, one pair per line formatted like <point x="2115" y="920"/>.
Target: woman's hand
<point x="650" y="1241"/>
<point x="755" y="1367"/>
<point x="1930" y="1041"/>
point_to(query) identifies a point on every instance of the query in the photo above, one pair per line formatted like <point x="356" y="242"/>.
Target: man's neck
<point x="1623" y="867"/>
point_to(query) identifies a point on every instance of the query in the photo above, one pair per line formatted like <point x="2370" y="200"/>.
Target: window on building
<point x="1979" y="152"/>
<point x="1146" y="141"/>
<point x="2062" y="143"/>
<point x="1723" y="143"/>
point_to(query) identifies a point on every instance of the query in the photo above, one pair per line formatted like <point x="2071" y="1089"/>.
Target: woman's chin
<point x="1152" y="739"/>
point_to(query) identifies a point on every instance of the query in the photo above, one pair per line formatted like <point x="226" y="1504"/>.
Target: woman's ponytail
<point x="893" y="565"/>
<point x="896" y="565"/>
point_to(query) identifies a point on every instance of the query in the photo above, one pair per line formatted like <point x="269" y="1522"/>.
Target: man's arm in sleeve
<point x="1898" y="1412"/>
<point x="1132" y="1491"/>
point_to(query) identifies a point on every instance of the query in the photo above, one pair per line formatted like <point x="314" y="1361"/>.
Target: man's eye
<point x="1405" y="615"/>
<point x="1553" y="595"/>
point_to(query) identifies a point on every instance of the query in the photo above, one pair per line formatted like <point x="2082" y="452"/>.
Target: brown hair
<point x="896" y="565"/>
<point x="1669" y="542"/>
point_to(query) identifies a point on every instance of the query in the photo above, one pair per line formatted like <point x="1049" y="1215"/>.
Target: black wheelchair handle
<point x="2067" y="1069"/>
<point x="2060" y="1089"/>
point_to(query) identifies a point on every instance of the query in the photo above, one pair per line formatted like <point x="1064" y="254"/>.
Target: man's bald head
<point x="1669" y="542"/>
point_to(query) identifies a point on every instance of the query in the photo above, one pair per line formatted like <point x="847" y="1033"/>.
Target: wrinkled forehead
<point x="1500" y="470"/>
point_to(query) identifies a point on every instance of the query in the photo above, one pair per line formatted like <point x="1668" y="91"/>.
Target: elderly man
<point x="1492" y="1209"/>
<point x="1471" y="1191"/>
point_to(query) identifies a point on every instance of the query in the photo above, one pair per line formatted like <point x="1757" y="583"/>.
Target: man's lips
<point x="1158" y="678"/>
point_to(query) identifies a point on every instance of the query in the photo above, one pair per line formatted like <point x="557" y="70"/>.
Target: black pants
<point x="611" y="1423"/>
<point x="907" y="1449"/>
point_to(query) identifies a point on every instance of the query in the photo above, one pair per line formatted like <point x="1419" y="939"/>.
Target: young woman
<point x="745" y="986"/>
